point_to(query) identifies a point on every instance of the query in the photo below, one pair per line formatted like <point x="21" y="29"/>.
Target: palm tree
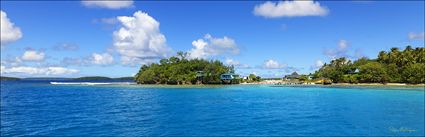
<point x="383" y="57"/>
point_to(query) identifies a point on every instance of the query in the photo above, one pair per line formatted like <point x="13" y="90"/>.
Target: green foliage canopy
<point x="405" y="66"/>
<point x="180" y="70"/>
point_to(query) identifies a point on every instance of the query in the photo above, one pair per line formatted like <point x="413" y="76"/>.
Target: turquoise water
<point x="38" y="108"/>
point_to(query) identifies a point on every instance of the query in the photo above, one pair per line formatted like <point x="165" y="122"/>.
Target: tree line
<point x="394" y="66"/>
<point x="181" y="70"/>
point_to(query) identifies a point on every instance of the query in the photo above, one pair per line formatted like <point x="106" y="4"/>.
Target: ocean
<point x="38" y="108"/>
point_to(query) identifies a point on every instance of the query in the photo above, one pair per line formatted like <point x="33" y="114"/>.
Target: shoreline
<point x="379" y="84"/>
<point x="260" y="84"/>
<point x="273" y="82"/>
<point x="266" y="82"/>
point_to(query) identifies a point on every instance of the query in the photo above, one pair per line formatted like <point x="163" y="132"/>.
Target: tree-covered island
<point x="181" y="70"/>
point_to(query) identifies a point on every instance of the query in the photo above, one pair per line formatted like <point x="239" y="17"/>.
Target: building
<point x="229" y="78"/>
<point x="356" y="71"/>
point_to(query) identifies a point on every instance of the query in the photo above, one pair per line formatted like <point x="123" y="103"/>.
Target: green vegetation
<point x="252" y="78"/>
<point x="180" y="70"/>
<point x="9" y="78"/>
<point x="395" y="66"/>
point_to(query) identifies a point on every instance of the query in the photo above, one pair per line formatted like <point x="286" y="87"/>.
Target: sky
<point x="266" y="38"/>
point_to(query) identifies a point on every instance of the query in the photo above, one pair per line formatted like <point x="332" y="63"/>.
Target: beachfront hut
<point x="354" y="72"/>
<point x="229" y="78"/>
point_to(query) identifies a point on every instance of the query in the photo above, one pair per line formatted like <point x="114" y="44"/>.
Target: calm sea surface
<point x="38" y="108"/>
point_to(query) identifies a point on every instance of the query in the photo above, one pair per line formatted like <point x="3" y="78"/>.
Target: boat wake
<point x="92" y="83"/>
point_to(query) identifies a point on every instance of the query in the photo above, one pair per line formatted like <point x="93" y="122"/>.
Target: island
<point x="93" y="78"/>
<point x="97" y="78"/>
<point x="8" y="78"/>
<point x="180" y="70"/>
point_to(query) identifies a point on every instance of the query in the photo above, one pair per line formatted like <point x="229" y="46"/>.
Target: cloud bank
<point x="108" y="4"/>
<point x="236" y="64"/>
<point x="343" y="50"/>
<point x="33" y="55"/>
<point x="290" y="9"/>
<point x="102" y="59"/>
<point x="272" y="64"/>
<point x="9" y="32"/>
<point x="45" y="71"/>
<point x="210" y="46"/>
<point x="416" y="36"/>
<point x="66" y="47"/>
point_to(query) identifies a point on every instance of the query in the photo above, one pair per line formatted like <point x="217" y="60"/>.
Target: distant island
<point x="46" y="78"/>
<point x="93" y="78"/>
<point x="103" y="78"/>
<point x="79" y="78"/>
<point x="9" y="78"/>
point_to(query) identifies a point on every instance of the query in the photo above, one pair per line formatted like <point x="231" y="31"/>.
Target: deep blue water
<point x="38" y="108"/>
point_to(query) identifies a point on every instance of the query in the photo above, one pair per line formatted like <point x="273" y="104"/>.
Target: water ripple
<point x="33" y="109"/>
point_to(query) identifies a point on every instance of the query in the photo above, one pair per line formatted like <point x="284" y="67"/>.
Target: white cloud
<point x="110" y="21"/>
<point x="341" y="51"/>
<point x="232" y="62"/>
<point x="47" y="71"/>
<point x="210" y="46"/>
<point x="9" y="32"/>
<point x="32" y="55"/>
<point x="22" y="69"/>
<point x="318" y="64"/>
<point x="2" y="69"/>
<point x="342" y="44"/>
<point x="11" y="61"/>
<point x="66" y="47"/>
<point x="93" y="59"/>
<point x="290" y="9"/>
<point x="416" y="36"/>
<point x="139" y="40"/>
<point x="68" y="61"/>
<point x="236" y="64"/>
<point x="108" y="4"/>
<point x="272" y="64"/>
<point x="60" y="71"/>
<point x="102" y="59"/>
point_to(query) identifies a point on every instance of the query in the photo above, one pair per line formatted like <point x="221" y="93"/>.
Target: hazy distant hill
<point x="124" y="78"/>
<point x="93" y="78"/>
<point x="9" y="78"/>
<point x="46" y="78"/>
<point x="103" y="78"/>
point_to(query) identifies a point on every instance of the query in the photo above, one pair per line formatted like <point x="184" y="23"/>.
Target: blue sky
<point x="270" y="39"/>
